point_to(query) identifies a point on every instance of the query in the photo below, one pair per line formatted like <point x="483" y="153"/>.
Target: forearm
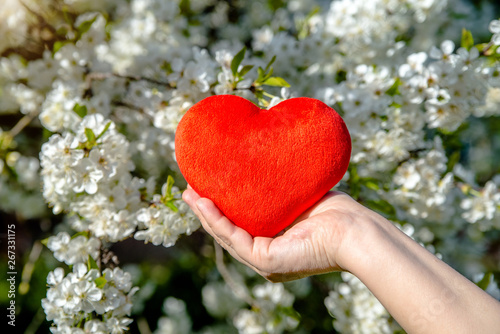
<point x="420" y="291"/>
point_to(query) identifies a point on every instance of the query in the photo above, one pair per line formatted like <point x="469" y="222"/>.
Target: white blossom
<point x="483" y="207"/>
<point x="356" y="310"/>
<point x="120" y="76"/>
<point x="73" y="250"/>
<point x="72" y="300"/>
<point x="268" y="317"/>
<point x="177" y="319"/>
<point x="495" y="29"/>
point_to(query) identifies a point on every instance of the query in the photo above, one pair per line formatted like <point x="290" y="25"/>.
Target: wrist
<point x="364" y="238"/>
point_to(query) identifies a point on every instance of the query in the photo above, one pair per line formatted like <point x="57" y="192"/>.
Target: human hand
<point x="313" y="244"/>
<point x="420" y="291"/>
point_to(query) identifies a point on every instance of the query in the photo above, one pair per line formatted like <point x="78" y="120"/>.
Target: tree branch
<point x="236" y="288"/>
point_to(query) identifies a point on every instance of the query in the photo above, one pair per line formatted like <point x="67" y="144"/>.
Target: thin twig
<point x="143" y="326"/>
<point x="36" y="250"/>
<point x="36" y="321"/>
<point x="138" y="78"/>
<point x="102" y="76"/>
<point x="236" y="288"/>
<point x="22" y="123"/>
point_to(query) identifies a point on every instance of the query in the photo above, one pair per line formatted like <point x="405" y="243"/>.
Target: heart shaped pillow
<point x="262" y="168"/>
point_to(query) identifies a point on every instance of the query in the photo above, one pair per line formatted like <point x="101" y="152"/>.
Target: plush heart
<point x="262" y="168"/>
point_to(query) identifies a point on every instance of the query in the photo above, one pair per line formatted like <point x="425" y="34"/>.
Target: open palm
<point x="307" y="247"/>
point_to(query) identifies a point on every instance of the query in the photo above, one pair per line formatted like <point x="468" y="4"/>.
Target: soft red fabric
<point x="262" y="168"/>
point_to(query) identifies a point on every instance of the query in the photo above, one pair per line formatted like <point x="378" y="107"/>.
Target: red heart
<point x="262" y="168"/>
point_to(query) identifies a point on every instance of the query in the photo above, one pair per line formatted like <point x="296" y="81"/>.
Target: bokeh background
<point x="424" y="117"/>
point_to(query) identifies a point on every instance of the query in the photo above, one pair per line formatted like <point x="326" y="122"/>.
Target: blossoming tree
<point x="91" y="93"/>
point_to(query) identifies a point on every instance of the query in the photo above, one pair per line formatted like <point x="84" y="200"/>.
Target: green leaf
<point x="57" y="46"/>
<point x="90" y="135"/>
<point x="276" y="81"/>
<point x="316" y="9"/>
<point x="46" y="134"/>
<point x="394" y="89"/>
<point x="185" y="8"/>
<point x="485" y="281"/>
<point x="238" y="58"/>
<point x="167" y="198"/>
<point x="85" y="26"/>
<point x="261" y="74"/>
<point x="244" y="70"/>
<point x="80" y="110"/>
<point x="172" y="206"/>
<point x="269" y="73"/>
<point x="289" y="311"/>
<point x="100" y="282"/>
<point x="104" y="130"/>
<point x="268" y="66"/>
<point x="264" y="74"/>
<point x="372" y="185"/>
<point x="467" y="41"/>
<point x="91" y="264"/>
<point x="274" y="5"/>
<point x="45" y="241"/>
<point x="84" y="233"/>
<point x="340" y="76"/>
<point x="453" y="160"/>
<point x="303" y="26"/>
<point x="170" y="184"/>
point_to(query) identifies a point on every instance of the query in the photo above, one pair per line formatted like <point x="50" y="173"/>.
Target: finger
<point x="190" y="197"/>
<point x="221" y="242"/>
<point x="234" y="239"/>
<point x="221" y="225"/>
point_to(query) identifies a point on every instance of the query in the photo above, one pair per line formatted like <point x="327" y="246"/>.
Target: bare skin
<point x="421" y="292"/>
